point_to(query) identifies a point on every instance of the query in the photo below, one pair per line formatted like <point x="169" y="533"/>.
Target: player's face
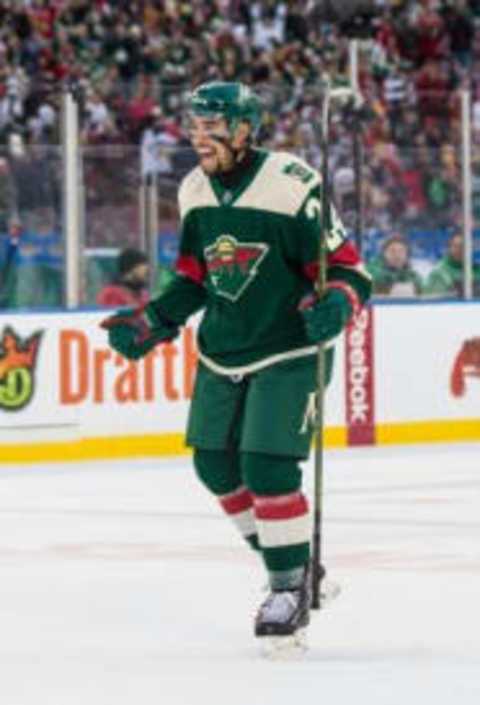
<point x="211" y="140"/>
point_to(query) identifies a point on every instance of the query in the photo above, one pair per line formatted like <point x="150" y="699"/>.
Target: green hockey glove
<point x="133" y="332"/>
<point x="326" y="317"/>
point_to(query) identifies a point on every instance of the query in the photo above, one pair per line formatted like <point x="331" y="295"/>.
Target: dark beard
<point x="229" y="179"/>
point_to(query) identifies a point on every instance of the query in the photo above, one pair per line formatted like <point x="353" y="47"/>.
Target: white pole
<point x="142" y="199"/>
<point x="357" y="147"/>
<point x="467" y="196"/>
<point x="152" y="228"/>
<point x="71" y="202"/>
<point x="353" y="65"/>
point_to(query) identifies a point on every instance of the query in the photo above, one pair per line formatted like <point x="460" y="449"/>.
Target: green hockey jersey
<point x="248" y="255"/>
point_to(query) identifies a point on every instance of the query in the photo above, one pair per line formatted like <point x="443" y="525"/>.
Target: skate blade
<point x="285" y="648"/>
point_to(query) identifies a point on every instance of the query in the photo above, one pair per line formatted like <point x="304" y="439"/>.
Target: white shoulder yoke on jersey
<point x="195" y="192"/>
<point x="281" y="186"/>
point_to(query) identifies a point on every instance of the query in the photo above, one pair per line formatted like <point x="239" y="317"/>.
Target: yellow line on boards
<point x="429" y="431"/>
<point x="335" y="437"/>
<point x="154" y="445"/>
<point x="95" y="448"/>
<point x="165" y="444"/>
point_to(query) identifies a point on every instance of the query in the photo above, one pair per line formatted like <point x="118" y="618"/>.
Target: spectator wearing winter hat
<point x="130" y="284"/>
<point x="392" y="272"/>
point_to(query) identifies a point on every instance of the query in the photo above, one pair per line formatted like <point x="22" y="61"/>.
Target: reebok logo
<point x="359" y="378"/>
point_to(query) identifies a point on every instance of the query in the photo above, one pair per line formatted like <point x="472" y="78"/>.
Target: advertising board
<point x="403" y="373"/>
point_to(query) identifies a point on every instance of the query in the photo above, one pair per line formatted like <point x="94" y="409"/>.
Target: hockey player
<point x="248" y="258"/>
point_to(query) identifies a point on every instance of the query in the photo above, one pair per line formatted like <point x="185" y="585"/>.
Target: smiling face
<point x="217" y="148"/>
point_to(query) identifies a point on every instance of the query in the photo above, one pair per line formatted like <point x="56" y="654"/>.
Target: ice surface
<point x="122" y="583"/>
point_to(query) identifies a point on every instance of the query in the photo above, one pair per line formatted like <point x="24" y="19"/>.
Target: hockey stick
<point x="318" y="571"/>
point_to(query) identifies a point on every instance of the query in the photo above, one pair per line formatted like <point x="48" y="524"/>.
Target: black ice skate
<point x="284" y="612"/>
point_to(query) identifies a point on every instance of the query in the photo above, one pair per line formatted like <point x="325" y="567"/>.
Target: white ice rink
<point x="122" y="583"/>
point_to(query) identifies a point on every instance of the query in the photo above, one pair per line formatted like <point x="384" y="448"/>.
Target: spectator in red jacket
<point x="130" y="286"/>
<point x="432" y="43"/>
<point x="433" y="87"/>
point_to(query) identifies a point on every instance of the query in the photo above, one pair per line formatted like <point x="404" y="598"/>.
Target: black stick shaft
<point x="317" y="567"/>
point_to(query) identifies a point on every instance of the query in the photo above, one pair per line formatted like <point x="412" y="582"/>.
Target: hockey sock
<point x="283" y="526"/>
<point x="220" y="473"/>
<point x="281" y="514"/>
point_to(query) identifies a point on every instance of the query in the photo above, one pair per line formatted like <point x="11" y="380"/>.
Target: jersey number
<point x="336" y="233"/>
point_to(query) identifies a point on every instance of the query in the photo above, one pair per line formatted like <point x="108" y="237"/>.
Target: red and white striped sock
<point x="284" y="530"/>
<point x="282" y="520"/>
<point x="239" y="507"/>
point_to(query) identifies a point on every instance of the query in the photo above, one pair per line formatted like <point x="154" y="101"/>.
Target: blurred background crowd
<point x="131" y="64"/>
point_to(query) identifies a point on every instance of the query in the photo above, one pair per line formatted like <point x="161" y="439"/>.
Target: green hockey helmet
<point x="235" y="102"/>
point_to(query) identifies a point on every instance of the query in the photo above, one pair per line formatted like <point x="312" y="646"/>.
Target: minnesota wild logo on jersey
<point x="232" y="265"/>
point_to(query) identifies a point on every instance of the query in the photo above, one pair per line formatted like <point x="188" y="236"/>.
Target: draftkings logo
<point x="233" y="265"/>
<point x="467" y="364"/>
<point x="17" y="369"/>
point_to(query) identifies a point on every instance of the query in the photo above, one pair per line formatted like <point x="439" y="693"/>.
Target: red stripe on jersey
<point x="235" y="502"/>
<point x="281" y="507"/>
<point x="346" y="255"/>
<point x="190" y="267"/>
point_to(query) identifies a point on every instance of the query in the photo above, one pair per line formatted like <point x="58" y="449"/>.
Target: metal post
<point x="467" y="196"/>
<point x="82" y="227"/>
<point x="353" y="47"/>
<point x="71" y="201"/>
<point x="151" y="229"/>
<point x="142" y="203"/>
<point x="353" y="64"/>
<point x="148" y="200"/>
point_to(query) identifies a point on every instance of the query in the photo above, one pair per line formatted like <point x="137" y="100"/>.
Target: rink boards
<point x="405" y="373"/>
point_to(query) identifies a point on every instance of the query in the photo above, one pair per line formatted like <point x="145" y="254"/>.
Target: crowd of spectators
<point x="394" y="274"/>
<point x="131" y="63"/>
